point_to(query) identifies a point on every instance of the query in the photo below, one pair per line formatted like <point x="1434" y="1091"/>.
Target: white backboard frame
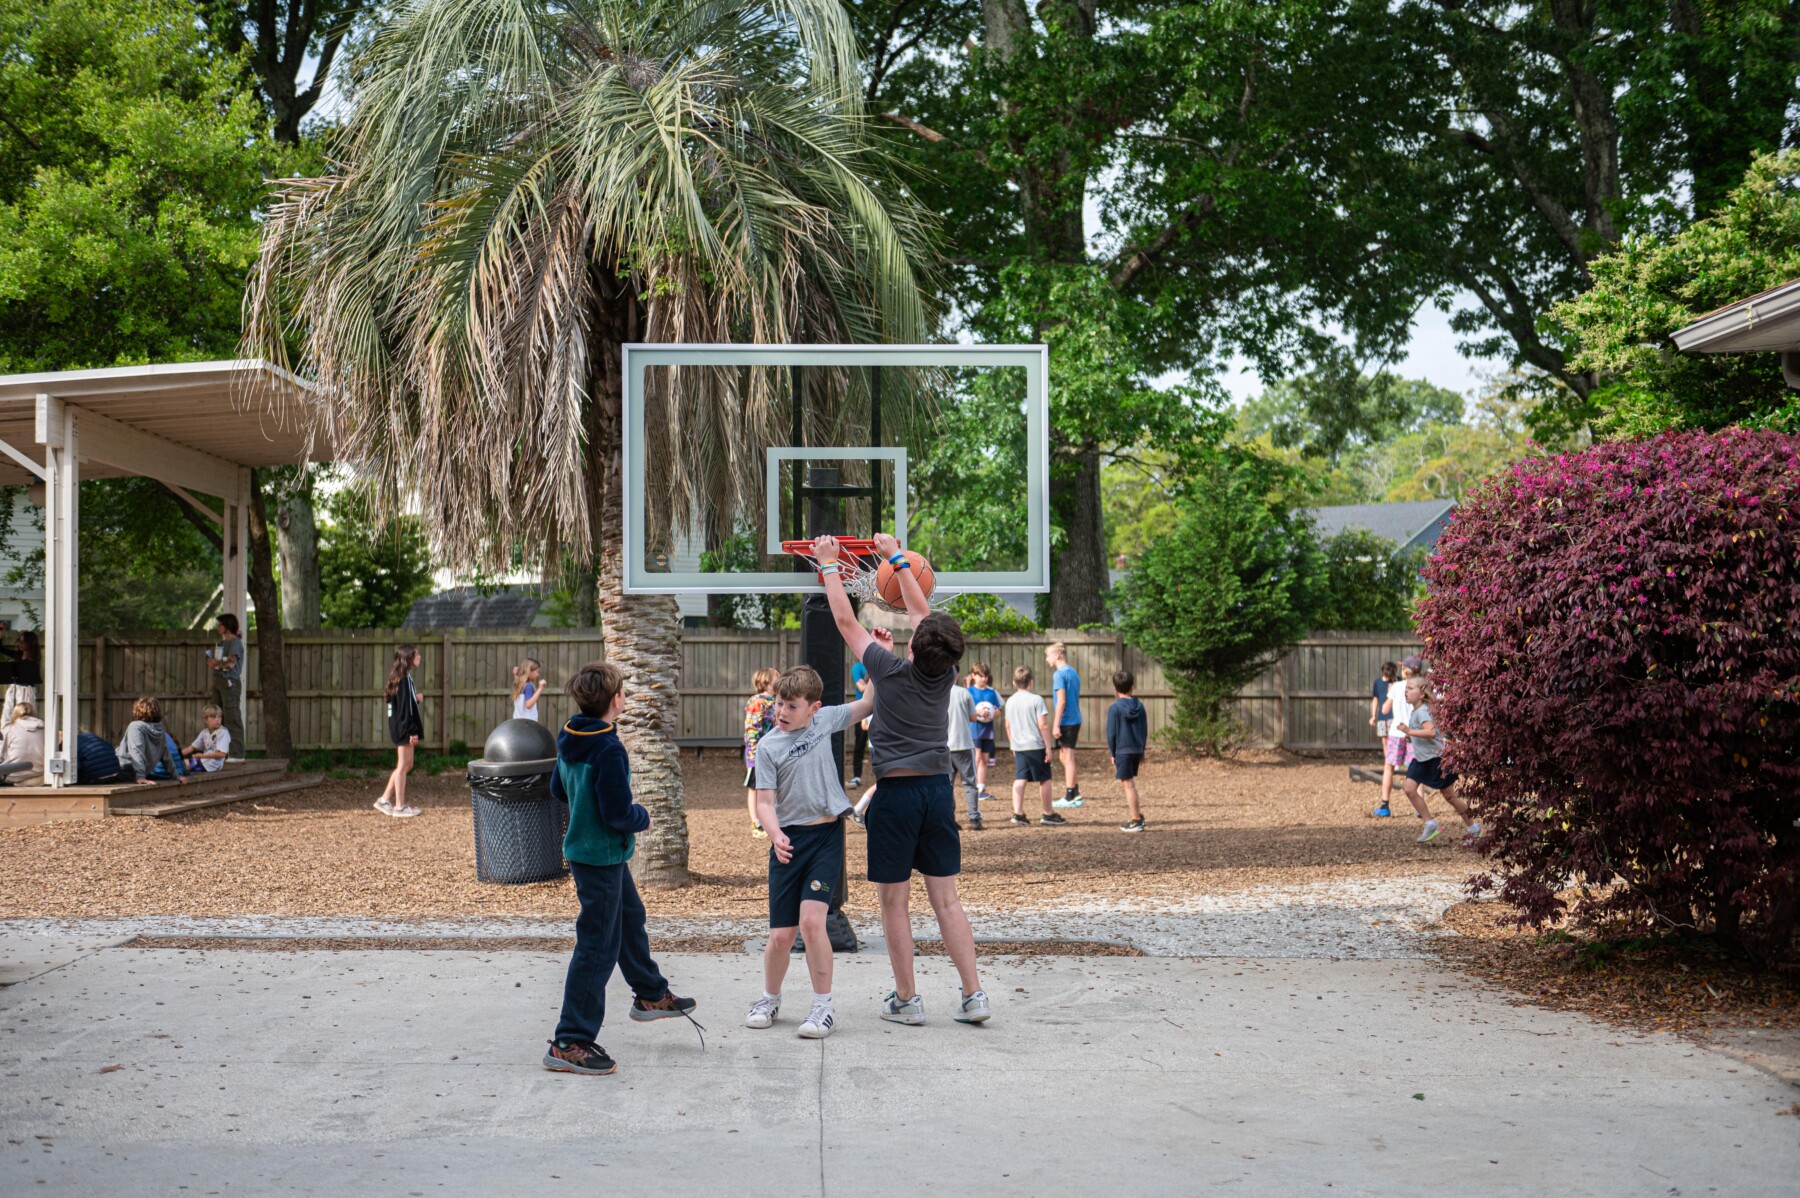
<point x="638" y="357"/>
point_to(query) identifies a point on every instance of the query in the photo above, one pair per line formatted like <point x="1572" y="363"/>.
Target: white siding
<point x="22" y="607"/>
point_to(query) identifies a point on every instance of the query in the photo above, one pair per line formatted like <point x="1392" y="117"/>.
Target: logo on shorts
<point x="817" y="885"/>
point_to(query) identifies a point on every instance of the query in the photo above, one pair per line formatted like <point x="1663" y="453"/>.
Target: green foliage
<point x="989" y="615"/>
<point x="134" y="158"/>
<point x="1369" y="587"/>
<point x="1227" y="590"/>
<point x="1137" y="493"/>
<point x="1652" y="286"/>
<point x="370" y="571"/>
<point x="1336" y="408"/>
<point x="763" y="610"/>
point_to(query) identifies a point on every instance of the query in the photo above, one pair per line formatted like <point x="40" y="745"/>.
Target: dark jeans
<point x="861" y="747"/>
<point x="608" y="932"/>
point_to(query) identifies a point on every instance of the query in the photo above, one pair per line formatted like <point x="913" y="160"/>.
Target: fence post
<point x="99" y="688"/>
<point x="1285" y="672"/>
<point x="444" y="720"/>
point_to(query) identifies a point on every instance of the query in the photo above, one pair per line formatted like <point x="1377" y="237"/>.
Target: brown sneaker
<point x="666" y="1007"/>
<point x="578" y="1056"/>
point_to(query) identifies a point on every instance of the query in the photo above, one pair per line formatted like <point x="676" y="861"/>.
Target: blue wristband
<point x="898" y="560"/>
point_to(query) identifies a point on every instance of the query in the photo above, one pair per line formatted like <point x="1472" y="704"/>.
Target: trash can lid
<point x="517" y="747"/>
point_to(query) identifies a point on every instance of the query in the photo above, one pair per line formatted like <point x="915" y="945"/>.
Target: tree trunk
<point x="298" y="537"/>
<point x="641" y="633"/>
<point x="271" y="674"/>
<point x="1078" y="568"/>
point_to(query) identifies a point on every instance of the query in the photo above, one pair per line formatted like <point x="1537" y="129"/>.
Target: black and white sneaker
<point x="819" y="1022"/>
<point x="1136" y="825"/>
<point x="1021" y="821"/>
<point x="1053" y="820"/>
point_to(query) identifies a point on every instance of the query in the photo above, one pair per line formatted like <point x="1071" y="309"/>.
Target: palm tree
<point x="522" y="187"/>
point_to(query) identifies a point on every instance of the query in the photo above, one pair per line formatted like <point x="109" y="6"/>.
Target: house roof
<point x="468" y="607"/>
<point x="1766" y="322"/>
<point x="1405" y="524"/>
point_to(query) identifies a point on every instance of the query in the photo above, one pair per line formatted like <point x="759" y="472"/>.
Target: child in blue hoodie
<point x="593" y="775"/>
<point x="1127" y="732"/>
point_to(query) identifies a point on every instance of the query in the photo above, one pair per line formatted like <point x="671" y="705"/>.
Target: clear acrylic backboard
<point x="731" y="449"/>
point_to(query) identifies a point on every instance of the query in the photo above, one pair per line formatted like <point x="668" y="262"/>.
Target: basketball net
<point x="860" y="560"/>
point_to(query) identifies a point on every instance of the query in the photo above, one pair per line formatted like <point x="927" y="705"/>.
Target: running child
<point x="1065" y="686"/>
<point x="800" y="798"/>
<point x="1378" y="720"/>
<point x="1399" y="752"/>
<point x="912" y="823"/>
<point x="759" y="717"/>
<point x="981" y="690"/>
<point x="1427" y="768"/>
<point x="528" y="681"/>
<point x="593" y="776"/>
<point x="961" y="744"/>
<point x="1127" y="733"/>
<point x="1028" y="733"/>
<point x="212" y="745"/>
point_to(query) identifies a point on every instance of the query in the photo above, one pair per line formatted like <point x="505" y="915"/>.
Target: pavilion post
<point x="57" y="432"/>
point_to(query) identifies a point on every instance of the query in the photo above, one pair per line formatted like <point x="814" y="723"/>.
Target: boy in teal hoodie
<point x="593" y="775"/>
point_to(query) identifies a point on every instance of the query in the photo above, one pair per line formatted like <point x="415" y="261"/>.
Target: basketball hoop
<point x="860" y="559"/>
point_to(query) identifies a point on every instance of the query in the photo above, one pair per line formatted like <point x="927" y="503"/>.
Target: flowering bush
<point x="1613" y="635"/>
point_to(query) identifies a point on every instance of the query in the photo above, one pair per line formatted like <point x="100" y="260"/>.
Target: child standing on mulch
<point x="759" y="717"/>
<point x="1028" y="734"/>
<point x="962" y="751"/>
<point x="406" y="728"/>
<point x="1427" y="768"/>
<point x="1399" y="753"/>
<point x="1127" y="734"/>
<point x="1378" y="720"/>
<point x="528" y="681"/>
<point x="593" y="776"/>
<point x="981" y="690"/>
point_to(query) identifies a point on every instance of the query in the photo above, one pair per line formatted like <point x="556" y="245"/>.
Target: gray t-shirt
<point x="1424" y="747"/>
<point x="800" y="769"/>
<point x="230" y="647"/>
<point x="962" y="710"/>
<point x="908" y="731"/>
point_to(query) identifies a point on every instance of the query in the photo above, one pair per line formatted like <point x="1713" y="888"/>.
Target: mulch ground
<point x="1213" y="827"/>
<point x="1667" y="985"/>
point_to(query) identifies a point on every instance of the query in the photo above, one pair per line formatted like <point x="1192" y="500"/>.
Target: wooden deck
<point x="238" y="780"/>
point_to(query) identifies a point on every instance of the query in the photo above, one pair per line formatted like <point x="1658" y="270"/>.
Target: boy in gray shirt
<point x="800" y="801"/>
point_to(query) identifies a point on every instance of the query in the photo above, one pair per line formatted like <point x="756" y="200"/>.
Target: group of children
<point x="1400" y="713"/>
<point x="798" y="802"/>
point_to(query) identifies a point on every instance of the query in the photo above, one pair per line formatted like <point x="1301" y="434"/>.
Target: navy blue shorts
<point x="912" y="826"/>
<point x="985" y="744"/>
<point x="1125" y="765"/>
<point x="1029" y="766"/>
<point x="1431" y="773"/>
<point x="1067" y="735"/>
<point x="811" y="874"/>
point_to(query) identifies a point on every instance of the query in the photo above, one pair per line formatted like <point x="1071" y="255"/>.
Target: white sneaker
<point x="763" y="1012"/>
<point x="384" y="805"/>
<point x="1472" y="832"/>
<point x="856" y="782"/>
<point x="1429" y="832"/>
<point x="974" y="1009"/>
<point x="818" y="1022"/>
<point x="912" y="1011"/>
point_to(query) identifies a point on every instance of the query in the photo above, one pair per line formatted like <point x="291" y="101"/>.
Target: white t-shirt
<point x="520" y="711"/>
<point x="1402" y="709"/>
<point x="1022" y="712"/>
<point x="962" y="710"/>
<point x="210" y="741"/>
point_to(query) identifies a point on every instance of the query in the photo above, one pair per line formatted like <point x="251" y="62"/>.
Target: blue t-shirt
<point x="1380" y="692"/>
<point x="858" y="672"/>
<point x="977" y="696"/>
<point x="1066" y="679"/>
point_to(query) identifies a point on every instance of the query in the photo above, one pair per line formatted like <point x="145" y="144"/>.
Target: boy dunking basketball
<point x="912" y="822"/>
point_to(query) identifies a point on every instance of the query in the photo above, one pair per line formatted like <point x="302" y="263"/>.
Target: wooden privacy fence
<point x="1314" y="699"/>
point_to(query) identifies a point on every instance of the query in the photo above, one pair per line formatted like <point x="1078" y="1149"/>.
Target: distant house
<point x="1408" y="525"/>
<point x="469" y="607"/>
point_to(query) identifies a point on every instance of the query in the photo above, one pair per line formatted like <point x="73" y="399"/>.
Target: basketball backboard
<point x="731" y="449"/>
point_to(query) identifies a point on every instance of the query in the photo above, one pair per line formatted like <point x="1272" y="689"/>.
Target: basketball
<point x="985" y="712"/>
<point x="888" y="586"/>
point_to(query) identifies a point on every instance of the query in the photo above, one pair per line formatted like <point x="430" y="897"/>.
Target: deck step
<point x="214" y="798"/>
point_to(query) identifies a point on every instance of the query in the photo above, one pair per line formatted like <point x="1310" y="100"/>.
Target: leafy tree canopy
<point x="1335" y="407"/>
<point x="1654" y="285"/>
<point x="370" y="571"/>
<point x="1369" y="587"/>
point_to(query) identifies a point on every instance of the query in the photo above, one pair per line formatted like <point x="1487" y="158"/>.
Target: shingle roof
<point x="467" y="607"/>
<point x="1404" y="524"/>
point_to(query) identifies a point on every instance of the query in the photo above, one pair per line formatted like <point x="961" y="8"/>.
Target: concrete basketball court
<point x="141" y="1071"/>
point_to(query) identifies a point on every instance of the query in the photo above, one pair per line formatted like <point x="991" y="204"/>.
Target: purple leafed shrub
<point x="1613" y="633"/>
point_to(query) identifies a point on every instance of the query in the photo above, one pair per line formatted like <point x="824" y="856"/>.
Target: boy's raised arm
<point x="856" y="637"/>
<point x="916" y="607"/>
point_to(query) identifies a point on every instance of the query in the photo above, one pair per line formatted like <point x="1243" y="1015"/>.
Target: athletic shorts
<point x="1029" y="766"/>
<point x="912" y="826"/>
<point x="1430" y="772"/>
<point x="812" y="874"/>
<point x="1399" y="751"/>
<point x="1067" y="735"/>
<point x="985" y="744"/>
<point x="750" y="778"/>
<point x="1125" y="765"/>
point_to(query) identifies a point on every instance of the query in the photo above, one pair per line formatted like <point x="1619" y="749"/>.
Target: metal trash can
<point x="519" y="827"/>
